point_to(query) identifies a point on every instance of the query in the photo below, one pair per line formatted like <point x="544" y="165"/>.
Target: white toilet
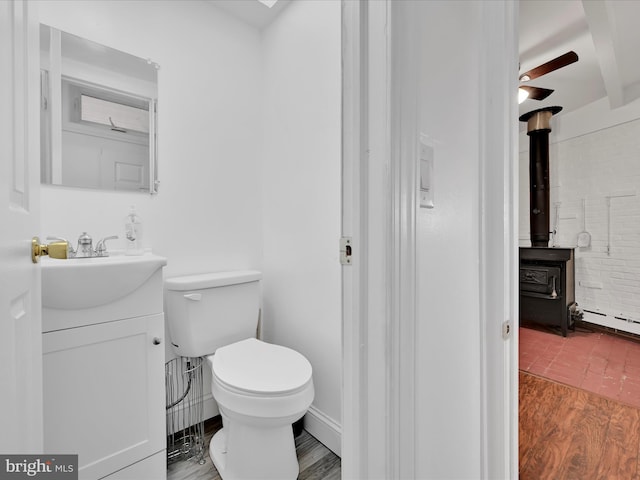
<point x="261" y="389"/>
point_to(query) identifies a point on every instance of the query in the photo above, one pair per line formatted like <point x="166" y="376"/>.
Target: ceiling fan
<point x="537" y="93"/>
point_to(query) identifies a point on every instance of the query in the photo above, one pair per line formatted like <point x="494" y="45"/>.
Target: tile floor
<point x="597" y="362"/>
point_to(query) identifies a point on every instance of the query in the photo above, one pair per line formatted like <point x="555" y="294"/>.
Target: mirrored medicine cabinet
<point x="98" y="115"/>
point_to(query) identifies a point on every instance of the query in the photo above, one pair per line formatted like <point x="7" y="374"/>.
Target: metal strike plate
<point x="346" y="250"/>
<point x="506" y="330"/>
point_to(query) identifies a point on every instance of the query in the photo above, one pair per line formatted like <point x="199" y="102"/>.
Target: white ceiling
<point x="604" y="34"/>
<point x="251" y="11"/>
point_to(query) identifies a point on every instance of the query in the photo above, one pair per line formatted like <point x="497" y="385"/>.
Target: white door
<point x="20" y="320"/>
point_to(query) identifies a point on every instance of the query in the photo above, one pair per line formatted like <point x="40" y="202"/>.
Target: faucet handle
<point x="101" y="247"/>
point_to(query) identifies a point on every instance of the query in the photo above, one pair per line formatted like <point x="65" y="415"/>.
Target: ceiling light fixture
<point x="268" y="3"/>
<point x="522" y="95"/>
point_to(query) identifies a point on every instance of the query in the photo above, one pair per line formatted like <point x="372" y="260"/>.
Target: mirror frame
<point x="94" y="58"/>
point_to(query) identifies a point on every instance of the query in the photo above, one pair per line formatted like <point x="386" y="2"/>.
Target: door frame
<point x="379" y="175"/>
<point x="368" y="447"/>
<point x="498" y="213"/>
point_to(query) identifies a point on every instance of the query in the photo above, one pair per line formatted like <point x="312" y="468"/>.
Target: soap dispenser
<point x="133" y="233"/>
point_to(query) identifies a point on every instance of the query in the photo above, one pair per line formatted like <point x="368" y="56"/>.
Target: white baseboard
<point x="610" y="321"/>
<point x="325" y="429"/>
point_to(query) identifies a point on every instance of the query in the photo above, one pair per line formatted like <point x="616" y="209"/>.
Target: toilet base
<point x="254" y="453"/>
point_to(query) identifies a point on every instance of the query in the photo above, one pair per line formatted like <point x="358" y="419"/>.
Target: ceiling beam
<point x="603" y="31"/>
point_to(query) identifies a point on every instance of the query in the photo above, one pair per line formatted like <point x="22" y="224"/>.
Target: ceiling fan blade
<point x="537" y="93"/>
<point x="559" y="62"/>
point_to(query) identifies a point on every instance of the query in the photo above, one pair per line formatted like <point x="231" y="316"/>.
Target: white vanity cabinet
<point x="104" y="399"/>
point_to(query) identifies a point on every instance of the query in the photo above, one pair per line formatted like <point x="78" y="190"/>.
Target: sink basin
<point x="80" y="283"/>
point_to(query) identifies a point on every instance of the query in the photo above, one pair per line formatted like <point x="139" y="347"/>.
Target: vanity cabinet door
<point x="104" y="393"/>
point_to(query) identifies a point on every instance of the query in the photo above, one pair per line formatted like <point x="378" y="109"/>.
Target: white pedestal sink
<point x="100" y="287"/>
<point x="103" y="364"/>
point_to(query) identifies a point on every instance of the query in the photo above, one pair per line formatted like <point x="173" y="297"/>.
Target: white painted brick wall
<point x="593" y="167"/>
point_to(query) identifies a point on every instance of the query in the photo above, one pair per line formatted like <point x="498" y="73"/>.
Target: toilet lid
<point x="255" y="366"/>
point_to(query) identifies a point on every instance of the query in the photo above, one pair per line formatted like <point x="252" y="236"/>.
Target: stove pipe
<point x="538" y="128"/>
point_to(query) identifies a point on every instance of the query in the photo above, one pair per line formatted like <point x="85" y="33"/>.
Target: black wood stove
<point x="547" y="287"/>
<point x="547" y="275"/>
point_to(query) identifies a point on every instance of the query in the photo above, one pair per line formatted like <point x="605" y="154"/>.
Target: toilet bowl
<point x="261" y="389"/>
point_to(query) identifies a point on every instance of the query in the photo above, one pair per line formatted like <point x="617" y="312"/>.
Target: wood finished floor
<point x="316" y="461"/>
<point x="567" y="433"/>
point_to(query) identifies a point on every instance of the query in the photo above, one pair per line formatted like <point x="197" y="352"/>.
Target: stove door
<point x="539" y="279"/>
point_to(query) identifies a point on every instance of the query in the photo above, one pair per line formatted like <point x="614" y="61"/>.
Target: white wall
<point x="240" y="187"/>
<point x="207" y="214"/>
<point x="448" y="355"/>
<point x="301" y="198"/>
<point x="594" y="154"/>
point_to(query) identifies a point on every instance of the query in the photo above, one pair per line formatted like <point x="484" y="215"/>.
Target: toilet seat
<point x="257" y="368"/>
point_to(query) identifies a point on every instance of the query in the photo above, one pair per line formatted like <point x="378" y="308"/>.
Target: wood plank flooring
<point x="565" y="433"/>
<point x="568" y="433"/>
<point x="316" y="461"/>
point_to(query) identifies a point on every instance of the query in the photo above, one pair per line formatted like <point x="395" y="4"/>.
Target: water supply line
<point x="189" y="373"/>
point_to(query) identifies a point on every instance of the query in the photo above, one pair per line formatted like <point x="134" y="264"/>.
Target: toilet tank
<point x="207" y="311"/>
